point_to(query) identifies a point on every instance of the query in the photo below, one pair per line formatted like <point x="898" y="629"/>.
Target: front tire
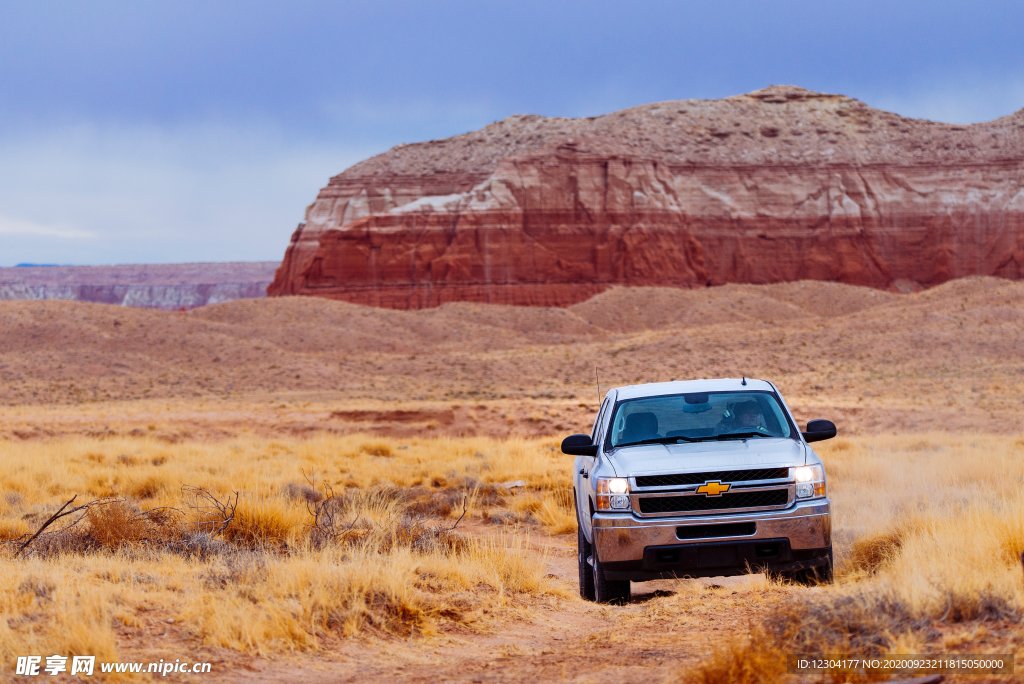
<point x="616" y="592"/>
<point x="584" y="550"/>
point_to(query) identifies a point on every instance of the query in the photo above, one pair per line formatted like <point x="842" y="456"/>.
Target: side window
<point x="597" y="423"/>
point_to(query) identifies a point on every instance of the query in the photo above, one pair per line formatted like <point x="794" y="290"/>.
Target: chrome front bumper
<point x="624" y="536"/>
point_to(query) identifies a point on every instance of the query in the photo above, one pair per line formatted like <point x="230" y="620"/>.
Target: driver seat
<point x="640" y="426"/>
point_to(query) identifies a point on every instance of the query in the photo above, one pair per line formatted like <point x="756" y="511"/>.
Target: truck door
<point x="582" y="479"/>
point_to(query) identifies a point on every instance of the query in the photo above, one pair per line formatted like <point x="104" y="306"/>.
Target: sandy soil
<point x="948" y="358"/>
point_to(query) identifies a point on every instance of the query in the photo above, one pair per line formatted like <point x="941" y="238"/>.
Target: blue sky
<point x="198" y="131"/>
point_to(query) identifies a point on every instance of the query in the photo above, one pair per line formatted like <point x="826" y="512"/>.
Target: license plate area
<point x="739" y="529"/>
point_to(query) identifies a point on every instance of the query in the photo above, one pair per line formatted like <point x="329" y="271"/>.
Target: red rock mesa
<point x="780" y="184"/>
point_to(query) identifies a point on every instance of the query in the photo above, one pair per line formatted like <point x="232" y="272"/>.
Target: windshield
<point x="698" y="416"/>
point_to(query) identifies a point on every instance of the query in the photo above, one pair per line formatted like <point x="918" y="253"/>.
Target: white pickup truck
<point x="702" y="478"/>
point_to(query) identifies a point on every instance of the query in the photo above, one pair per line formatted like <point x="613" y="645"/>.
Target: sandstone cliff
<point x="777" y="185"/>
<point x="152" y="286"/>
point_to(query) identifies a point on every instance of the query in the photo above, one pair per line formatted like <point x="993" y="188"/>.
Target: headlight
<point x="612" y="494"/>
<point x="810" y="482"/>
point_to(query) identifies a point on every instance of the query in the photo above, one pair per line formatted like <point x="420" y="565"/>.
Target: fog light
<point x="804" y="490"/>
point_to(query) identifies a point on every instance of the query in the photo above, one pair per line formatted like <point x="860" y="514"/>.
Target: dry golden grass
<point x="938" y="518"/>
<point x="268" y="582"/>
<point x="928" y="531"/>
<point x="253" y="602"/>
<point x="557" y="511"/>
<point x="754" y="659"/>
<point x="266" y="473"/>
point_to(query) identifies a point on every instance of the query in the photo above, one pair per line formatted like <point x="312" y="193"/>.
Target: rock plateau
<point x="152" y="286"/>
<point x="780" y="184"/>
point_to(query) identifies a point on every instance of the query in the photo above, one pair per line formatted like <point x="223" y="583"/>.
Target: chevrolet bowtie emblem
<point x="713" y="488"/>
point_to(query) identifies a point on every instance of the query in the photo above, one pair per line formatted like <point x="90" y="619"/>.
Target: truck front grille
<point x="685" y="504"/>
<point x="721" y="476"/>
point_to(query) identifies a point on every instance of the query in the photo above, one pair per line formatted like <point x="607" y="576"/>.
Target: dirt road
<point x="667" y="628"/>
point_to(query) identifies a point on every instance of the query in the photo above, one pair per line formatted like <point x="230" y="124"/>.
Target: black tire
<point x="615" y="592"/>
<point x="584" y="551"/>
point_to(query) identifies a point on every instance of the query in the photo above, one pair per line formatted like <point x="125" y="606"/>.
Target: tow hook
<point x="584" y="473"/>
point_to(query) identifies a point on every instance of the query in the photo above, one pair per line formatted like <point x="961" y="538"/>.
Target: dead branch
<point x="463" y="512"/>
<point x="53" y="518"/>
<point x="215" y="513"/>
<point x="160" y="516"/>
<point x="325" y="514"/>
<point x="355" y="520"/>
<point x="61" y="513"/>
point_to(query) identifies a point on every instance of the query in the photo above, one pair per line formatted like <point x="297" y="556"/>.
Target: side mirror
<point x="818" y="430"/>
<point x="578" y="445"/>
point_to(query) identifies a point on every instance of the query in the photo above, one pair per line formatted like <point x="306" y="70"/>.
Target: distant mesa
<point x="777" y="185"/>
<point x="153" y="286"/>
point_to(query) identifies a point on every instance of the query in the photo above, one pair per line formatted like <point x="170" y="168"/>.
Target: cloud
<point x="10" y="226"/>
<point x="213" y="191"/>
<point x="960" y="100"/>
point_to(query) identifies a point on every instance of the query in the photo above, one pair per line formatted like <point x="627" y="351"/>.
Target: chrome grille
<point x="721" y="476"/>
<point x="759" y="498"/>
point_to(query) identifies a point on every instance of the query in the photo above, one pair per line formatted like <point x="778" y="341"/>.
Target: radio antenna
<point x="598" y="376"/>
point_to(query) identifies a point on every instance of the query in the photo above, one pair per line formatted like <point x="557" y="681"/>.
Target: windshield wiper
<point x="659" y="440"/>
<point x="679" y="438"/>
<point x="739" y="435"/>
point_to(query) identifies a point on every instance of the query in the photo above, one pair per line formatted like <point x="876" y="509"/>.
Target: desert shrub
<point x="301" y="492"/>
<point x="504" y="565"/>
<point x="12" y="529"/>
<point x="861" y="620"/>
<point x="269" y="520"/>
<point x="526" y="503"/>
<point x="1009" y="531"/>
<point x="377" y="448"/>
<point x="858" y="619"/>
<point x="740" y="660"/>
<point x="441" y="540"/>
<point x="557" y="511"/>
<point x="148" y="487"/>
<point x="39" y="587"/>
<point x="871" y="552"/>
<point x="201" y="545"/>
<point x="424" y="502"/>
<point x="116" y="523"/>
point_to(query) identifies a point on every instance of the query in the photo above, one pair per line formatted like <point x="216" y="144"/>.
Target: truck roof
<point x="655" y="389"/>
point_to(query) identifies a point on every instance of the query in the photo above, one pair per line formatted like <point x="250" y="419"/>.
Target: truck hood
<point x="654" y="459"/>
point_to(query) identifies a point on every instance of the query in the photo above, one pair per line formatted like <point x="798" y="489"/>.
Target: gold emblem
<point x="713" y="488"/>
